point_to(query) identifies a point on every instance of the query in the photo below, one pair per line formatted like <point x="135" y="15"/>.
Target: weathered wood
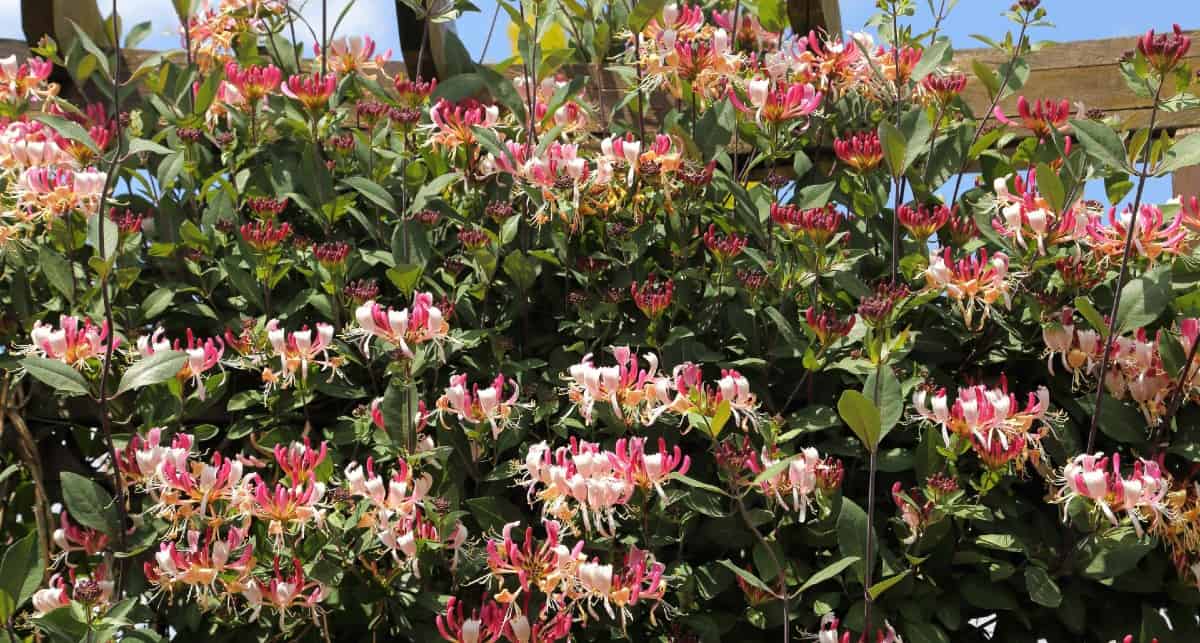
<point x="1186" y="181"/>
<point x="1086" y="72"/>
<point x="815" y="15"/>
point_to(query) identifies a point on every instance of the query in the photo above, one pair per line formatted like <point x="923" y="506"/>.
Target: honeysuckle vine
<point x="661" y="330"/>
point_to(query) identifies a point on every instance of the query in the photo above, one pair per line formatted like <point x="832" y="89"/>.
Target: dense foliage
<point x="687" y="330"/>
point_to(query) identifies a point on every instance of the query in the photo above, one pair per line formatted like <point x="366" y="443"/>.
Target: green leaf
<point x="893" y="147"/>
<point x="139" y="145"/>
<point x="884" y="585"/>
<point x="750" y="578"/>
<point x="715" y="128"/>
<point x="57" y="271"/>
<point x="21" y="571"/>
<point x="890" y="399"/>
<point x="57" y="375"/>
<point x="1183" y="153"/>
<point x="89" y="504"/>
<point x="1051" y="187"/>
<point x="1100" y="142"/>
<point x="643" y="13"/>
<point x="692" y="482"/>
<point x="155" y="369"/>
<point x="829" y="572"/>
<point x="493" y="512"/>
<point x="432" y="189"/>
<point x="862" y="416"/>
<point x="772" y="14"/>
<point x="720" y="418"/>
<point x="90" y="46"/>
<point x="68" y="129"/>
<point x="1093" y="317"/>
<point x="933" y="57"/>
<point x="986" y="76"/>
<point x="1042" y="589"/>
<point x="372" y="191"/>
<point x="157" y="302"/>
<point x="1143" y="300"/>
<point x="111" y="236"/>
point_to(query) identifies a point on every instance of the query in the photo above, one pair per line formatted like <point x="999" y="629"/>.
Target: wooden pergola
<point x="1087" y="71"/>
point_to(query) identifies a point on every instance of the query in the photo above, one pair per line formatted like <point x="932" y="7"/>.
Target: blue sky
<point x="1075" y="20"/>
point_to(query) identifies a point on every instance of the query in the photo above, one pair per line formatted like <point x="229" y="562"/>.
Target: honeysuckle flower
<point x="649" y="471"/>
<point x="400" y="495"/>
<point x="312" y="91"/>
<point x="141" y="461"/>
<point x="202" y="355"/>
<point x="48" y="599"/>
<point x="206" y="560"/>
<point x="638" y="579"/>
<point x="264" y="236"/>
<point x="861" y="152"/>
<point x="827" y="325"/>
<point x="52" y="192"/>
<point x="353" y="54"/>
<point x="724" y="247"/>
<point x="1153" y="236"/>
<point x="476" y="405"/>
<point x="405" y="328"/>
<point x="25" y="144"/>
<point x="634" y="393"/>
<point x="580" y="479"/>
<point x="25" y="81"/>
<point x="253" y="82"/>
<point x="414" y="93"/>
<point x="1027" y="214"/>
<point x="973" y="282"/>
<point x="923" y="221"/>
<point x="775" y="103"/>
<point x="1042" y="117"/>
<point x="452" y="123"/>
<point x="1164" y="51"/>
<point x="487" y="627"/>
<point x="287" y="507"/>
<point x="75" y="342"/>
<point x="297" y="351"/>
<point x="985" y="414"/>
<point x="944" y="88"/>
<point x="70" y="537"/>
<point x="283" y="593"/>
<point x="797" y="481"/>
<point x="816" y="226"/>
<point x="546" y="566"/>
<point x="652" y="296"/>
<point x="829" y="633"/>
<point x="1141" y="496"/>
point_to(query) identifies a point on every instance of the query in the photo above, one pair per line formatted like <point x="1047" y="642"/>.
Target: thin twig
<point x="1130" y="232"/>
<point x="991" y="108"/>
<point x="106" y="365"/>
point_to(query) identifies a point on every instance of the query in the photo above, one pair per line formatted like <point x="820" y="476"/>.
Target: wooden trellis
<point x="1085" y="71"/>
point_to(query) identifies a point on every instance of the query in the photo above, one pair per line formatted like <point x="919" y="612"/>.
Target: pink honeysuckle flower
<point x="861" y="152"/>
<point x="452" y="123"/>
<point x="976" y="281"/>
<point x="1153" y="236"/>
<point x="353" y="54"/>
<point x="297" y="351"/>
<point x="312" y="91"/>
<point x="285" y="592"/>
<point x="404" y="329"/>
<point x="1042" y="117"/>
<point x="1142" y="495"/>
<point x="476" y="405"/>
<point x="775" y="103"/>
<point x="253" y="82"/>
<point x="74" y="342"/>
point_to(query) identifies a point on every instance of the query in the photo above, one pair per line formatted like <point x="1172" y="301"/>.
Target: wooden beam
<point x="815" y="15"/>
<point x="1084" y="71"/>
<point x="1185" y="182"/>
